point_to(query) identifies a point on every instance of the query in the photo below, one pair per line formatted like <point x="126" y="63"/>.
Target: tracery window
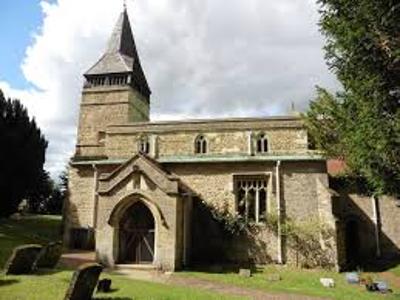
<point x="144" y="145"/>
<point x="251" y="197"/>
<point x="261" y="143"/>
<point x="200" y="145"/>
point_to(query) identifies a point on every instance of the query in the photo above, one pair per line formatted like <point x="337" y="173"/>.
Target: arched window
<point x="261" y="143"/>
<point x="200" y="145"/>
<point x="144" y="145"/>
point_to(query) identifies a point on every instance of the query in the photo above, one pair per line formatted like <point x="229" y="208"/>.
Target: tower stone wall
<point x="103" y="106"/>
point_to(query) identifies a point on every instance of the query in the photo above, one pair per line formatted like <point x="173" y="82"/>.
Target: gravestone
<point x="353" y="278"/>
<point x="49" y="256"/>
<point x="327" y="282"/>
<point x="382" y="286"/>
<point x="245" y="273"/>
<point x="22" y="260"/>
<point x="274" y="277"/>
<point x="84" y="282"/>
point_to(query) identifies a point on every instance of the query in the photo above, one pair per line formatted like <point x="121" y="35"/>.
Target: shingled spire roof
<point x="121" y="56"/>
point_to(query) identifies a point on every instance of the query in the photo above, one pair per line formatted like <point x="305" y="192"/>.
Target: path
<point x="74" y="259"/>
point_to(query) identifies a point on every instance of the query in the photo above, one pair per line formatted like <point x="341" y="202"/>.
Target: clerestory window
<point x="251" y="197"/>
<point x="200" y="145"/>
<point x="262" y="143"/>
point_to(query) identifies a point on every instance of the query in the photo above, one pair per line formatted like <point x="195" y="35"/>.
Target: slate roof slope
<point x="121" y="55"/>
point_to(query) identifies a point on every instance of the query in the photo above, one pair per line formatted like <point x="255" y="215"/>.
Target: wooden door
<point x="137" y="235"/>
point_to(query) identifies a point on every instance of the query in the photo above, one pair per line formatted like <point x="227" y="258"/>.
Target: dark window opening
<point x="262" y="144"/>
<point x="201" y="145"/>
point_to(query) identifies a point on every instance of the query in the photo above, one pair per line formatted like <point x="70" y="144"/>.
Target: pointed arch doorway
<point x="136" y="235"/>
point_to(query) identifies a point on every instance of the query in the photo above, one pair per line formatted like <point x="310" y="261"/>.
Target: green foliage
<point x="311" y="240"/>
<point x="43" y="191"/>
<point x="54" y="203"/>
<point x="48" y="196"/>
<point x="361" y="124"/>
<point x="232" y="224"/>
<point x="22" y="155"/>
<point x="322" y="124"/>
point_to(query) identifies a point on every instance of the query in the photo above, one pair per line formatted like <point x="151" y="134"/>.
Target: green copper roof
<point x="212" y="159"/>
<point x="236" y="158"/>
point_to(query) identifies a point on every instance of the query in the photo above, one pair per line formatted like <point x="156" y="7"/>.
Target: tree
<point x="54" y="204"/>
<point x="22" y="155"/>
<point x="362" y="123"/>
<point x="38" y="197"/>
<point x="48" y="196"/>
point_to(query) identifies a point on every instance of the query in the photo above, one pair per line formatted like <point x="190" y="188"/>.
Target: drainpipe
<point x="375" y="209"/>
<point x="278" y="201"/>
<point x="95" y="194"/>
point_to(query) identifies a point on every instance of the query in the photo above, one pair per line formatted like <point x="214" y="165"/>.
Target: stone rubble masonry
<point x="359" y="208"/>
<point x="101" y="107"/>
<point x="112" y="122"/>
<point x="231" y="136"/>
<point x="81" y="194"/>
<point x="166" y="208"/>
<point x="114" y="119"/>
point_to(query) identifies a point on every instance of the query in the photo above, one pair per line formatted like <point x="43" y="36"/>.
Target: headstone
<point x="327" y="282"/>
<point x="382" y="286"/>
<point x="22" y="260"/>
<point x="245" y="273"/>
<point x="104" y="285"/>
<point x="84" y="282"/>
<point x="49" y="256"/>
<point x="352" y="278"/>
<point x="274" y="277"/>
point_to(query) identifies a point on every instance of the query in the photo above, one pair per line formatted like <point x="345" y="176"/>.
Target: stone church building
<point x="136" y="186"/>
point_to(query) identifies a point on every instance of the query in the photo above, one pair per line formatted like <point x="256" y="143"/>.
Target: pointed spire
<point x="121" y="55"/>
<point x="122" y="38"/>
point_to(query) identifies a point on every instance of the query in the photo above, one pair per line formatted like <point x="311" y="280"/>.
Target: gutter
<point x="209" y="159"/>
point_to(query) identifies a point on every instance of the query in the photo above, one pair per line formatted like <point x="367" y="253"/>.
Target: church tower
<point x="115" y="90"/>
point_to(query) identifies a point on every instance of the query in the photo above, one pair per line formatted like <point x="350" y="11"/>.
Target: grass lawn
<point x="396" y="271"/>
<point x="296" y="282"/>
<point x="53" y="287"/>
<point x="29" y="230"/>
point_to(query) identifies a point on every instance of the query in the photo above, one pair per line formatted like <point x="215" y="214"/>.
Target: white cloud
<point x="203" y="58"/>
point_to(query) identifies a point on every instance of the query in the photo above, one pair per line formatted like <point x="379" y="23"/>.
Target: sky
<point x="202" y="58"/>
